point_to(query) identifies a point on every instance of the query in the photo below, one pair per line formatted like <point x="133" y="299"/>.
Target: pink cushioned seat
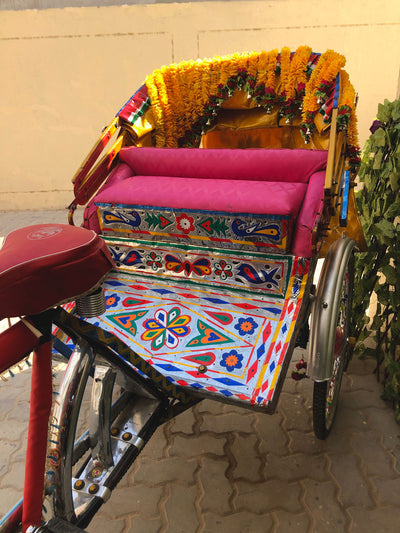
<point x="274" y="183"/>
<point x="231" y="196"/>
<point x="45" y="264"/>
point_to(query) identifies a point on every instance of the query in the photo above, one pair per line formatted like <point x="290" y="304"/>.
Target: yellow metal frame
<point x="93" y="171"/>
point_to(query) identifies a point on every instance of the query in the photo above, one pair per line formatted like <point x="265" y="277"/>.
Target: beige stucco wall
<point x="65" y="72"/>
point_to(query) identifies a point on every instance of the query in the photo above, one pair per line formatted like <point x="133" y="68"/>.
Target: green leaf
<point x="394" y="299"/>
<point x="377" y="323"/>
<point x="395" y="328"/>
<point x="394" y="180"/>
<point x="383" y="296"/>
<point x="384" y="111"/>
<point x="393" y="210"/>
<point x="379" y="137"/>
<point x="396" y="110"/>
<point x="390" y="274"/>
<point x="378" y="160"/>
<point x="384" y="228"/>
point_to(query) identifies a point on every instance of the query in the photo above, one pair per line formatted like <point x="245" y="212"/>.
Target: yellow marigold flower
<point x="285" y="67"/>
<point x="271" y="72"/>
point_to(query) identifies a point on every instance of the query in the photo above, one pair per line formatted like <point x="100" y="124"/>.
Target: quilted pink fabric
<point x="251" y="164"/>
<point x="309" y="213"/>
<point x="232" y="196"/>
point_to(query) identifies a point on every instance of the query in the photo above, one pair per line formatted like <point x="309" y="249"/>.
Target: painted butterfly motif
<point x="200" y="267"/>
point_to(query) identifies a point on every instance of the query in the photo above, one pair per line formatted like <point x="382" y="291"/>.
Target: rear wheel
<point x="326" y="393"/>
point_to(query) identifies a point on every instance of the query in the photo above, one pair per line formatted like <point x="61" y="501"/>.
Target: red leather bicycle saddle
<point x="46" y="264"/>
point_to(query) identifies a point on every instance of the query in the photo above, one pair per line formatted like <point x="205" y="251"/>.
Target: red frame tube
<point x="39" y="413"/>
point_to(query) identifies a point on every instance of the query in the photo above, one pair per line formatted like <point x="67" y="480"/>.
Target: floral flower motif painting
<point x="112" y="300"/>
<point x="154" y="261"/>
<point x="185" y="223"/>
<point x="231" y="360"/>
<point x="223" y="270"/>
<point x="166" y="328"/>
<point x="246" y="326"/>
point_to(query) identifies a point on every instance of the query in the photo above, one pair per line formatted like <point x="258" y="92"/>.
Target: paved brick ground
<point x="218" y="468"/>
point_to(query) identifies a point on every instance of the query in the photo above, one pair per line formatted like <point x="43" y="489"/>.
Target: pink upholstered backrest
<point x="284" y="165"/>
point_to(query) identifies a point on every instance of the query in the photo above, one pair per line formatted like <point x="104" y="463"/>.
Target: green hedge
<point x="378" y="270"/>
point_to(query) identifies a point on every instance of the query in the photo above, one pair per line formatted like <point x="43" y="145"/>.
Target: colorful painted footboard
<point x="221" y="326"/>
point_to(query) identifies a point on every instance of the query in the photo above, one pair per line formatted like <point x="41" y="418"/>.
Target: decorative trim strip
<point x="202" y="267"/>
<point x="237" y="230"/>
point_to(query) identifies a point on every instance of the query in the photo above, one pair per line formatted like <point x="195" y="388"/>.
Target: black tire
<point x="326" y="393"/>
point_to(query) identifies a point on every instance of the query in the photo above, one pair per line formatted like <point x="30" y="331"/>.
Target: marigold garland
<point x="185" y="97"/>
<point x="271" y="71"/>
<point x="263" y="60"/>
<point x="296" y="82"/>
<point x="284" y="66"/>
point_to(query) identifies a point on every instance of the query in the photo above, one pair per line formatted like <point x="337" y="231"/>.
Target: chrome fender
<point x="324" y="309"/>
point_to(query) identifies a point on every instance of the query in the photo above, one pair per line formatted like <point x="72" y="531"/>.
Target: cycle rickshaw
<point x="226" y="180"/>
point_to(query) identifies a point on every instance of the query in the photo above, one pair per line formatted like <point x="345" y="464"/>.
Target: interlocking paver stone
<point x="376" y="460"/>
<point x="248" y="463"/>
<point x="242" y="422"/>
<point x="296" y="466"/>
<point x="170" y="469"/>
<point x="269" y="495"/>
<point x="244" y="522"/>
<point x="381" y="420"/>
<point x="184" y="422"/>
<point x="98" y="525"/>
<point x="137" y="499"/>
<point x="354" y="490"/>
<point x="348" y="420"/>
<point x="388" y="490"/>
<point x="216" y="487"/>
<point x="273" y="437"/>
<point x="157" y="446"/>
<point x="7" y="450"/>
<point x="181" y="510"/>
<point x="360" y="399"/>
<point x="299" y="523"/>
<point x="383" y="519"/>
<point x="219" y="468"/>
<point x="139" y="524"/>
<point x="15" y="431"/>
<point x="304" y="442"/>
<point x="327" y="514"/>
<point x="294" y="412"/>
<point x="14" y="476"/>
<point x="9" y="497"/>
<point x="212" y="407"/>
<point x="195" y="446"/>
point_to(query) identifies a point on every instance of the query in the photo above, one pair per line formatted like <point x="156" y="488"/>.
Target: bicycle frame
<point x="15" y="343"/>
